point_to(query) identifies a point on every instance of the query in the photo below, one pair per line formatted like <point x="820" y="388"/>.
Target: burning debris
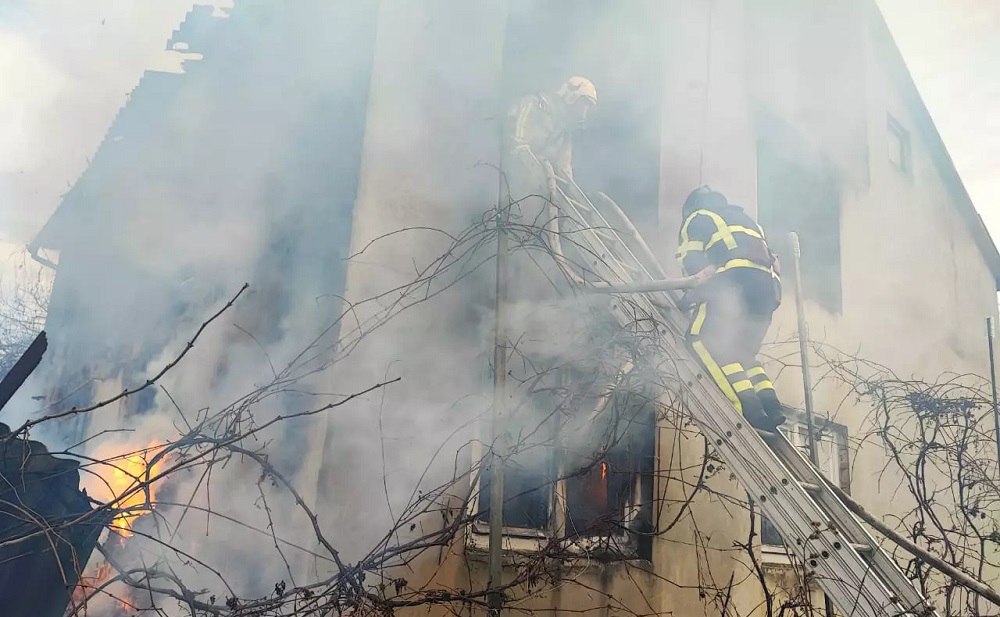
<point x="126" y="481"/>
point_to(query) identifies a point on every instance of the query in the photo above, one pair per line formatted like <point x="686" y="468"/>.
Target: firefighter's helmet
<point x="703" y="197"/>
<point x="576" y="87"/>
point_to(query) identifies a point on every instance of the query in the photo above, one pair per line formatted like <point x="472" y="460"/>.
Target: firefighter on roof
<point x="733" y="304"/>
<point x="545" y="122"/>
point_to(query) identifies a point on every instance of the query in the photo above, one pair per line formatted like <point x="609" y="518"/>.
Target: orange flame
<point x="124" y="479"/>
<point x="604" y="470"/>
<point x="89" y="583"/>
<point x="127" y="483"/>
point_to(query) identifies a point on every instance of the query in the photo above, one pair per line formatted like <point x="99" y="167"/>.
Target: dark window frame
<point x="620" y="472"/>
<point x="838" y="461"/>
<point x="897" y="135"/>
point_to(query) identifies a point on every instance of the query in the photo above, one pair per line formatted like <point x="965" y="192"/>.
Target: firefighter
<point x="545" y="122"/>
<point x="739" y="289"/>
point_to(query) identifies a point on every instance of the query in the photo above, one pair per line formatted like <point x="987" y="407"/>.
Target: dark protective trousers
<point x="732" y="313"/>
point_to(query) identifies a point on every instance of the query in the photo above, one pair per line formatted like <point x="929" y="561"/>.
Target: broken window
<point x="832" y="455"/>
<point x="590" y="482"/>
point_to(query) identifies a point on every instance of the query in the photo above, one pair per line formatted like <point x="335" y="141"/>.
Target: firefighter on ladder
<point x="545" y="122"/>
<point x="737" y="293"/>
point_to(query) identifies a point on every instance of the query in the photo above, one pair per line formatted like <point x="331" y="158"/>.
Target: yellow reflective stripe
<point x="699" y="319"/>
<point x="722" y="233"/>
<point x="763" y="385"/>
<point x="726" y="235"/>
<point x="730" y="369"/>
<point x="757" y="370"/>
<point x="690" y="245"/>
<point x="746" y="230"/>
<point x="743" y="386"/>
<point x="716" y="373"/>
<point x="522" y="120"/>
<point x="743" y="263"/>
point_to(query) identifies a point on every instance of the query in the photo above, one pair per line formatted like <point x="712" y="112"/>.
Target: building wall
<point x="915" y="288"/>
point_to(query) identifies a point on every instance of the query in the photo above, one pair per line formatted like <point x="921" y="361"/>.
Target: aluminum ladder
<point x="836" y="551"/>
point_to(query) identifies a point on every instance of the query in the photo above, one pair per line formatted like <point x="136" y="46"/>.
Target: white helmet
<point x="575" y="87"/>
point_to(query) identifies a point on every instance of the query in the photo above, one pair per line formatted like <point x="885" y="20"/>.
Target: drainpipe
<point x="803" y="344"/>
<point x="500" y="446"/>
<point x="495" y="598"/>
<point x="993" y="383"/>
<point x="800" y="315"/>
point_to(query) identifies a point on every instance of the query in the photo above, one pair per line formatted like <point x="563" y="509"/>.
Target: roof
<point x="885" y="44"/>
<point x="153" y="90"/>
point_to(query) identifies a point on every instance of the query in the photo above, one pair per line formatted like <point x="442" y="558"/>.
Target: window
<point x="832" y="454"/>
<point x="798" y="190"/>
<point x="587" y="481"/>
<point x="899" y="145"/>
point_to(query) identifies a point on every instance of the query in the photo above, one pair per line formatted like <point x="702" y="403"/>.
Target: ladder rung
<point x="810" y="487"/>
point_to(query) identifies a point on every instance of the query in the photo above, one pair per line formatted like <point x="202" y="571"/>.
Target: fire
<point x="90" y="582"/>
<point x="124" y="478"/>
<point x="126" y="481"/>
<point x="95" y="577"/>
<point x="604" y="470"/>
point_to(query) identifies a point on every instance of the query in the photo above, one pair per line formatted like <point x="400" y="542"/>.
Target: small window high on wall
<point x="899" y="145"/>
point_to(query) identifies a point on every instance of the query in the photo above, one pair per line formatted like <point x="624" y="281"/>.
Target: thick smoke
<point x="328" y="154"/>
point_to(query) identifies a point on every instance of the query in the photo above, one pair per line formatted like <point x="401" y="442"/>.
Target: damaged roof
<point x="152" y="94"/>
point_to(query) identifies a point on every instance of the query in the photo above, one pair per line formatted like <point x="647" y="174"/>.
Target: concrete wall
<point x="916" y="289"/>
<point x="429" y="157"/>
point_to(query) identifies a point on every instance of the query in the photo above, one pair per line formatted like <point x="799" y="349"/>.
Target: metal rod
<point x="499" y="429"/>
<point x="800" y="316"/>
<point x="803" y="346"/>
<point x="993" y="383"/>
<point x="645" y="286"/>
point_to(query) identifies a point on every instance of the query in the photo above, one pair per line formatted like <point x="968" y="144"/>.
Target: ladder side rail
<point x="626" y="223"/>
<point x="843" y="574"/>
<point x="583" y="210"/>
<point x="848" y="523"/>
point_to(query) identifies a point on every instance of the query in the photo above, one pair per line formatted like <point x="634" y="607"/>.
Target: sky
<point x="67" y="67"/>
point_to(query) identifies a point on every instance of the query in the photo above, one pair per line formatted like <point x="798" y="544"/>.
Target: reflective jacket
<point x="725" y="237"/>
<point x="532" y="122"/>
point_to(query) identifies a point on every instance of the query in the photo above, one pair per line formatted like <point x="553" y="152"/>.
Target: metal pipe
<point x="800" y="316"/>
<point x="645" y="286"/>
<point x="499" y="422"/>
<point x="803" y="345"/>
<point x="993" y="383"/>
<point x="499" y="428"/>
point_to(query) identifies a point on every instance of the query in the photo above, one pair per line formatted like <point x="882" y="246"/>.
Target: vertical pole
<point x="499" y="421"/>
<point x="993" y="383"/>
<point x="800" y="315"/>
<point x="803" y="345"/>
<point x="495" y="598"/>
